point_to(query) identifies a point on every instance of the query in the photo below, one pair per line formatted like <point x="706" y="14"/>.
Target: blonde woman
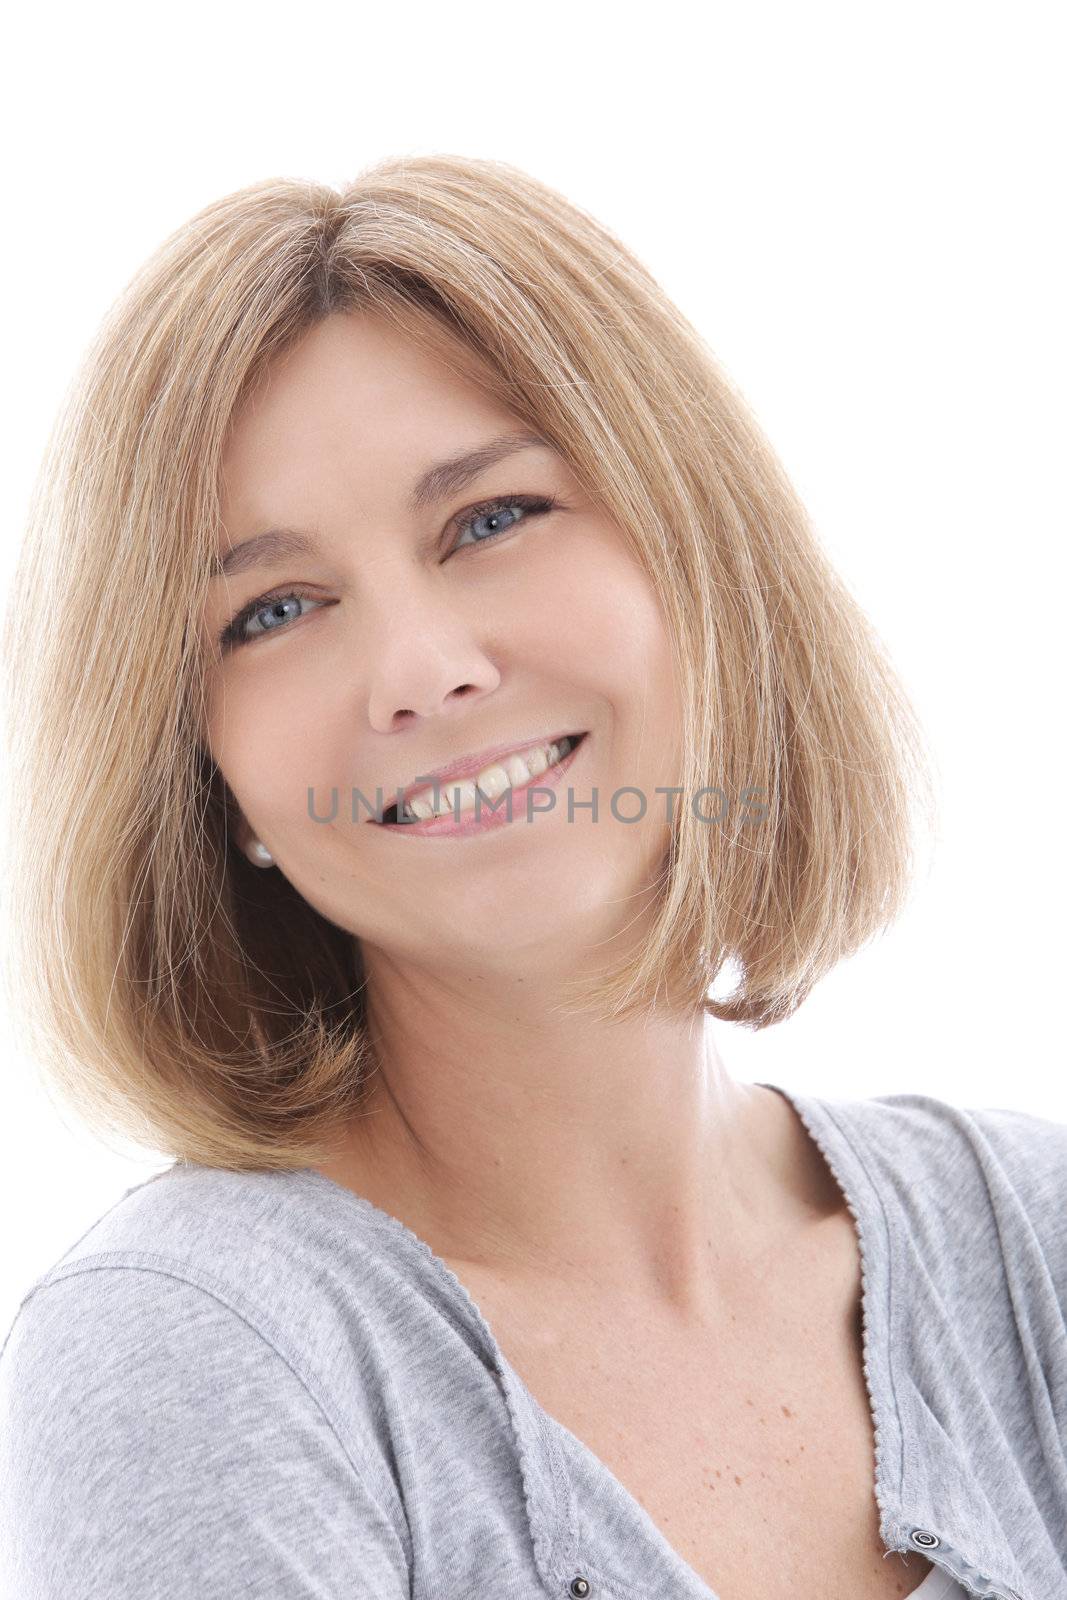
<point x="430" y="707"/>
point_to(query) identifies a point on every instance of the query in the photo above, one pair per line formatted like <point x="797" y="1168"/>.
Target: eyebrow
<point x="435" y="484"/>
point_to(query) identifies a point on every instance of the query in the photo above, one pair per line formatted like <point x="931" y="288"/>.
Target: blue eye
<point x="234" y="635"/>
<point x="530" y="505"/>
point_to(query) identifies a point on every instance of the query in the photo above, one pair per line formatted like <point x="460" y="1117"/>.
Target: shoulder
<point x="145" y="1396"/>
<point x="260" y="1244"/>
<point x="252" y="1259"/>
<point x="922" y="1137"/>
<point x="978" y="1184"/>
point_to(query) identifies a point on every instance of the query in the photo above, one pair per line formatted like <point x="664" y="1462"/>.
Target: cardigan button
<point x="924" y="1539"/>
<point x="580" y="1587"/>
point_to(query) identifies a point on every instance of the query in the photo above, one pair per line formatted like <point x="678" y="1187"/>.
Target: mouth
<point x="391" y="817"/>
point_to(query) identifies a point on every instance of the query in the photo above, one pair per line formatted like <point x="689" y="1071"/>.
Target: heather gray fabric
<point x="260" y="1384"/>
<point x="937" y="1585"/>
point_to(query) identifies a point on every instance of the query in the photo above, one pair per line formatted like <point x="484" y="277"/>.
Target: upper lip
<point x="466" y="766"/>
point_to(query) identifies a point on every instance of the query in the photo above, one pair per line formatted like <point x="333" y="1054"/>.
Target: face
<point x="406" y="638"/>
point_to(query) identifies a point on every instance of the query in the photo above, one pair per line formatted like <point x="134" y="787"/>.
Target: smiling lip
<point x="468" y="766"/>
<point x="445" y="826"/>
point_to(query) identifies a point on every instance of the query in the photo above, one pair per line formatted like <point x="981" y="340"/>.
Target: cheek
<point x="625" y="641"/>
<point x="607" y="620"/>
<point x="265" y="744"/>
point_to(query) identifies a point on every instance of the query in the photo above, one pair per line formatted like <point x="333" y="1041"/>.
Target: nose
<point x="425" y="655"/>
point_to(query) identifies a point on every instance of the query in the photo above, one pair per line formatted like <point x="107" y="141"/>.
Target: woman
<point x="475" y="1268"/>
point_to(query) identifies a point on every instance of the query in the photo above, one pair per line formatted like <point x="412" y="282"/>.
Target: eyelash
<point x="231" y="637"/>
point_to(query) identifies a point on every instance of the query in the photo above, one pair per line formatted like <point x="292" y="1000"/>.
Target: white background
<point x="858" y="206"/>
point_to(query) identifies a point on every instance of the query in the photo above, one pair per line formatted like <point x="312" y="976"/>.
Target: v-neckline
<point x="550" y="1495"/>
<point x="874" y="1285"/>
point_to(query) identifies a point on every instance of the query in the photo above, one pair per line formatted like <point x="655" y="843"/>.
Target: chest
<point x="766" y="1491"/>
<point x="749" y="1443"/>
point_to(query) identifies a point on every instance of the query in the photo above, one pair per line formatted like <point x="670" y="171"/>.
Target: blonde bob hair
<point x="175" y="993"/>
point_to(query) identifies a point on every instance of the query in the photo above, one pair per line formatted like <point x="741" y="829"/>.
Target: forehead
<point x="357" y="394"/>
<point x="358" y="364"/>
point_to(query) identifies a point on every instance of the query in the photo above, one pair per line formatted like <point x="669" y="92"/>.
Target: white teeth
<point x="510" y="772"/>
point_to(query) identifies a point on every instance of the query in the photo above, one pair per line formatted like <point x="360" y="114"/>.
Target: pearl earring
<point x="259" y="854"/>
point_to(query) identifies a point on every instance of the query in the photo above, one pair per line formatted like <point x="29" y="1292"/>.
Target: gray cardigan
<point x="261" y="1385"/>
